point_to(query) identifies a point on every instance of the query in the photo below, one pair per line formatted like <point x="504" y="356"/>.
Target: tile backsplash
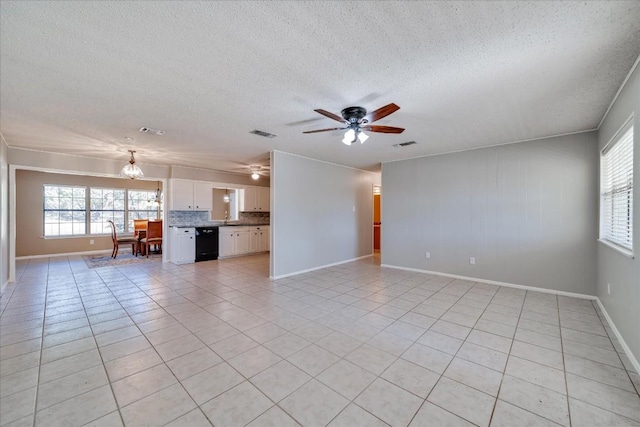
<point x="199" y="218"/>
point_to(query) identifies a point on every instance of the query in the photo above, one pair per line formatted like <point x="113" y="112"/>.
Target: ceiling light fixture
<point x="226" y="197"/>
<point x="254" y="172"/>
<point x="131" y="171"/>
<point x="354" y="134"/>
<point x="158" y="196"/>
<point x="356" y="120"/>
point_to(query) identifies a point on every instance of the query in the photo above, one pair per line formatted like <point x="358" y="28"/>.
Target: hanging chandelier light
<point x="226" y="197"/>
<point x="131" y="170"/>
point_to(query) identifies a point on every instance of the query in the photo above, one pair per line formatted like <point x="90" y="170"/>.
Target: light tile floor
<point x="354" y="345"/>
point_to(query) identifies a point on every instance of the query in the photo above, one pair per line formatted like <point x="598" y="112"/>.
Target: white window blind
<point x="616" y="175"/>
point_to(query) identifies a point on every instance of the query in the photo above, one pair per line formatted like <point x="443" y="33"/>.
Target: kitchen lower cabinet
<point x="243" y="240"/>
<point x="183" y="245"/>
<point x="233" y="241"/>
<point x="227" y="241"/>
<point x="259" y="239"/>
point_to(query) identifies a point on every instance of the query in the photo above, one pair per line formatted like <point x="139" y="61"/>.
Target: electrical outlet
<point x="91" y="242"/>
<point x="428" y="255"/>
<point x="472" y="260"/>
<point x="609" y="288"/>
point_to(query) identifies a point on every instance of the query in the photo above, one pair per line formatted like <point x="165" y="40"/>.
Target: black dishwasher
<point x="206" y="243"/>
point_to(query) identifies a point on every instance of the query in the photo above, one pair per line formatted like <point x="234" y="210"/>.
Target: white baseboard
<point x="282" y="276"/>
<point x="99" y="251"/>
<point x="494" y="282"/>
<point x="624" y="345"/>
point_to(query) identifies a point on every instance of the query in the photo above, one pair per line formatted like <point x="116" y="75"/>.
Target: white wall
<point x="623" y="305"/>
<point x="526" y="212"/>
<point x="4" y="213"/>
<point x="313" y="223"/>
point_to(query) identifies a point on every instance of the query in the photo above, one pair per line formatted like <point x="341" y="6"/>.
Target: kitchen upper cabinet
<point x="256" y="199"/>
<point x="181" y="195"/>
<point x="187" y="195"/>
<point x="202" y="196"/>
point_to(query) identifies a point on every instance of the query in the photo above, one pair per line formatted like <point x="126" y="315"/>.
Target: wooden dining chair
<point x="139" y="231"/>
<point x="154" y="235"/>
<point x="121" y="240"/>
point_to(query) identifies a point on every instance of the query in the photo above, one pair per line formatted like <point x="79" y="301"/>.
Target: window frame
<point x="153" y="210"/>
<point x="609" y="194"/>
<point x="87" y="211"/>
<point x="90" y="211"/>
<point x="45" y="210"/>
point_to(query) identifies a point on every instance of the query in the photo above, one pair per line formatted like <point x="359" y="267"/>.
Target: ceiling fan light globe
<point x="349" y="136"/>
<point x="362" y="137"/>
<point x="254" y="175"/>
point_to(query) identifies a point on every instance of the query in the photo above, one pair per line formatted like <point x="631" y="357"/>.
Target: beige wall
<point x="29" y="212"/>
<point x="219" y="206"/>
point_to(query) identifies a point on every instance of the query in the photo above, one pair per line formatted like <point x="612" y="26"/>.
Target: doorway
<point x="377" y="221"/>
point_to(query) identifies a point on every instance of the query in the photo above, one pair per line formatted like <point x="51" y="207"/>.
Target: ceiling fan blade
<point x="331" y="115"/>
<point x="382" y="129"/>
<point x="381" y="112"/>
<point x="323" y="130"/>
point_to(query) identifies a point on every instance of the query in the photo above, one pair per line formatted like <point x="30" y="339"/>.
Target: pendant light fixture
<point x="131" y="171"/>
<point x="158" y="196"/>
<point x="226" y="197"/>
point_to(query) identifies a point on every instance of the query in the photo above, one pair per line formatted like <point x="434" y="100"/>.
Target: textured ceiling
<point x="79" y="77"/>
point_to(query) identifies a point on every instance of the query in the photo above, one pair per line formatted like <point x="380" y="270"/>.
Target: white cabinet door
<point x="227" y="241"/>
<point x="263" y="199"/>
<point x="242" y="242"/>
<point x="202" y="196"/>
<point x="249" y="200"/>
<point x="183" y="245"/>
<point x="254" y="239"/>
<point x="264" y="239"/>
<point x="186" y="249"/>
<point x="182" y="195"/>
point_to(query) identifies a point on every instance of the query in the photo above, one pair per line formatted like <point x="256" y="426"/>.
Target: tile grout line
<point x="564" y="362"/>
<point x="508" y="356"/>
<point x="104" y="369"/>
<point x="457" y="351"/>
<point x="44" y="319"/>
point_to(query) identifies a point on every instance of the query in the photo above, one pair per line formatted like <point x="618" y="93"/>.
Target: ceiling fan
<point x="356" y="120"/>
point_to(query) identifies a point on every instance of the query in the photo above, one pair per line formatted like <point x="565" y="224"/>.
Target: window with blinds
<point x="616" y="186"/>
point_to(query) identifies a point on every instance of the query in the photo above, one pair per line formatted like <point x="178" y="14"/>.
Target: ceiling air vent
<point x="263" y="133"/>
<point x="151" y="131"/>
<point x="404" y="144"/>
